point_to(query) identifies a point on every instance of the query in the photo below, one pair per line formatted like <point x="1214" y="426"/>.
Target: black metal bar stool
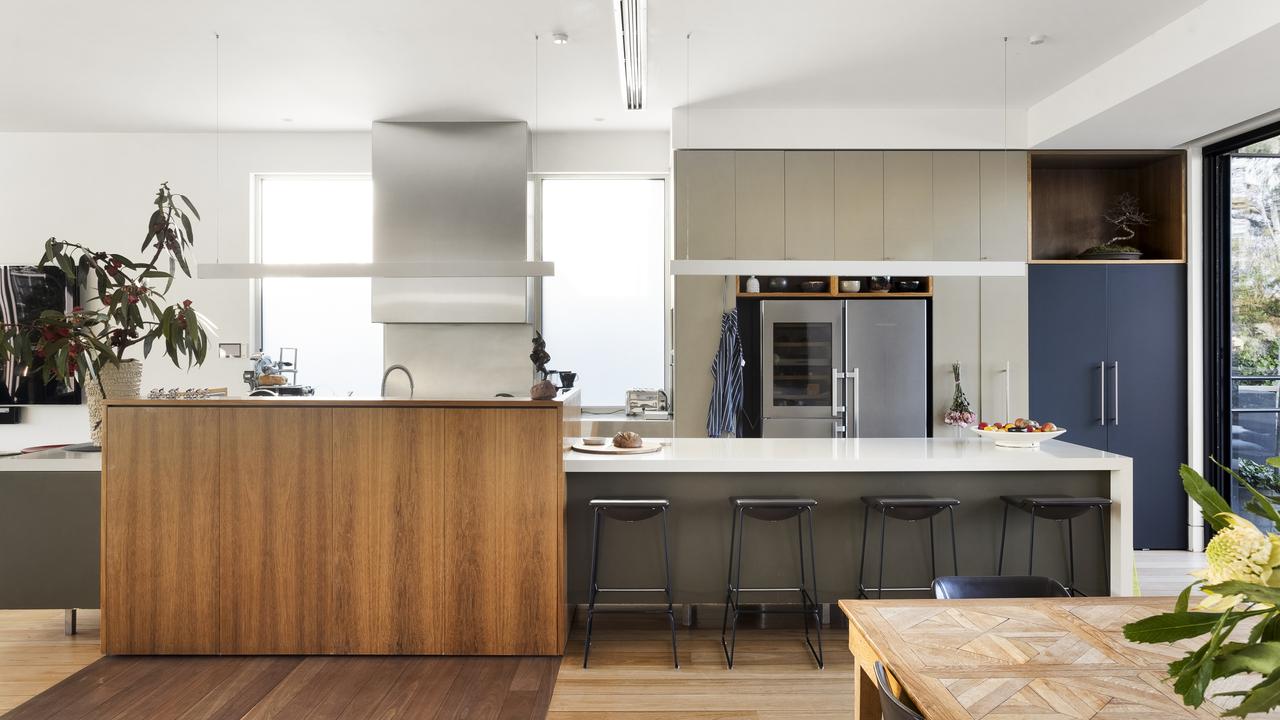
<point x="909" y="508"/>
<point x="1058" y="508"/>
<point x="771" y="509"/>
<point x="628" y="510"/>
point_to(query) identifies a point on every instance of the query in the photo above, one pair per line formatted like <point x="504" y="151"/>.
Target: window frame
<point x="255" y="235"/>
<point x="537" y="180"/>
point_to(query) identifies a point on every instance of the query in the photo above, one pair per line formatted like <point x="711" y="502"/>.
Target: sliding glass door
<point x="1244" y="303"/>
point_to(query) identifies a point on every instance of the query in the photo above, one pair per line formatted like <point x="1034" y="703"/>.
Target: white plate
<point x="1017" y="439"/>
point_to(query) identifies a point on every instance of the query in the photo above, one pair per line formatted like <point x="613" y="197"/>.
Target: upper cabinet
<point x="758" y="200"/>
<point x="1071" y="190"/>
<point x="810" y="205"/>
<point x="1003" y="185"/>
<point x="956" y="206"/>
<point x="950" y="205"/>
<point x="705" y="212"/>
<point x="908" y="205"/>
<point x="858" y="176"/>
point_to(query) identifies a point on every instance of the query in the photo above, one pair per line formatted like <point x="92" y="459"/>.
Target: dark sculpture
<point x="543" y="389"/>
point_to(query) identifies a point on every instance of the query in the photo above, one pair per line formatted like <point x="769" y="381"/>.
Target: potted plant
<point x="1241" y="585"/>
<point x="92" y="344"/>
<point x="1124" y="214"/>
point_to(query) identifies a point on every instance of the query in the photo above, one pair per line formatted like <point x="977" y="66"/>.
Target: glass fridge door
<point x="803" y="359"/>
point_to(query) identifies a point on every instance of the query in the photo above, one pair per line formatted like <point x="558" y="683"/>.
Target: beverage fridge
<point x="844" y="368"/>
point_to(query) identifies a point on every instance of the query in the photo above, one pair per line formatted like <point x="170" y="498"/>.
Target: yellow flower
<point x="1241" y="552"/>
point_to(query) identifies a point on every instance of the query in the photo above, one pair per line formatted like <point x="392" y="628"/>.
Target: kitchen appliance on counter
<point x="844" y="368"/>
<point x="267" y="378"/>
<point x="641" y="400"/>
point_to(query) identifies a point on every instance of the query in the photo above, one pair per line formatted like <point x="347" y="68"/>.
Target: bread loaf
<point x="628" y="440"/>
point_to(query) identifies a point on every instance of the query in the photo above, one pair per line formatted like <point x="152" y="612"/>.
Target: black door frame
<point x="1217" y="298"/>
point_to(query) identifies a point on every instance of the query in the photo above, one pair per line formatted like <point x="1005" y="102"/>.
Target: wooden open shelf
<point x="832" y="291"/>
<point x="1071" y="189"/>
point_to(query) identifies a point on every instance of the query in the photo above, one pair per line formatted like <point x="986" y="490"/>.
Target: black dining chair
<point x="893" y="707"/>
<point x="960" y="587"/>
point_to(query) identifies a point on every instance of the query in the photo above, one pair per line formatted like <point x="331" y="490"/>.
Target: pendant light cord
<point x="217" y="146"/>
<point x="688" y="123"/>
<point x="537" y="124"/>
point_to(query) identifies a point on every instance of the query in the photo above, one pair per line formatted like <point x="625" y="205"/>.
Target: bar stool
<point x="628" y="510"/>
<point x="771" y="509"/>
<point x="909" y="508"/>
<point x="1058" y="508"/>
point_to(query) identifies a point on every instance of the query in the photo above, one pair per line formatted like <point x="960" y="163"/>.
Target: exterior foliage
<point x="130" y="308"/>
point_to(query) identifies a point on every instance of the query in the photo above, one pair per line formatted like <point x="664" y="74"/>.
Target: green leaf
<point x="186" y="222"/>
<point x="1184" y="599"/>
<point x="1211" y="503"/>
<point x="1169" y="627"/>
<point x="190" y="207"/>
<point x="1263" y="658"/>
<point x="1252" y="592"/>
<point x="1264" y="696"/>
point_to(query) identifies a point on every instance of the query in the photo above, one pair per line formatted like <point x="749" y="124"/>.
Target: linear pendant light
<point x="459" y="269"/>
<point x="936" y="268"/>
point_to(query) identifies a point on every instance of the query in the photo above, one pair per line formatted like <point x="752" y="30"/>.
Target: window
<point x="603" y="314"/>
<point x="320" y="219"/>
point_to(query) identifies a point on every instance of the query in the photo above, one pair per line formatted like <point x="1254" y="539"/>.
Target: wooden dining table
<point x="1020" y="658"/>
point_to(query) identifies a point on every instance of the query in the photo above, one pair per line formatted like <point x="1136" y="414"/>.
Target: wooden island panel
<point x="343" y="529"/>
<point x="160" y="532"/>
<point x="277" y="541"/>
<point x="388" y="525"/>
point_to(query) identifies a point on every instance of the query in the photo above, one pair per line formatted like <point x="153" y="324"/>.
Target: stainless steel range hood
<point x="451" y="193"/>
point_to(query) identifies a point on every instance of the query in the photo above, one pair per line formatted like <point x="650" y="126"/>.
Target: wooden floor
<point x="630" y="676"/>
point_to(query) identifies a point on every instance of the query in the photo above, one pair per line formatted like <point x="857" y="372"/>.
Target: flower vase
<point x="113" y="382"/>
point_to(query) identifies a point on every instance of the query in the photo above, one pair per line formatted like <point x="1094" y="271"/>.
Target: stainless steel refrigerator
<point x="844" y="368"/>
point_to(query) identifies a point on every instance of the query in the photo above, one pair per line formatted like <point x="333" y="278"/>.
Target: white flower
<point x="1241" y="552"/>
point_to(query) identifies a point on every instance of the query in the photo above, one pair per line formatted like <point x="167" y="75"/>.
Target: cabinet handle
<point x="1102" y="393"/>
<point x="1115" y="399"/>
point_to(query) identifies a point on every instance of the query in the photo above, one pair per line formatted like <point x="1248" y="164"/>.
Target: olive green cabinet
<point x="810" y="205"/>
<point x="908" y="205"/>
<point x="1005" y="192"/>
<point x="758" y="203"/>
<point x="704" y="199"/>
<point x="858" y="176"/>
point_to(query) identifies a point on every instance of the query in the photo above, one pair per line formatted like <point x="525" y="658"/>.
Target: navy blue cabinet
<point x="1108" y="362"/>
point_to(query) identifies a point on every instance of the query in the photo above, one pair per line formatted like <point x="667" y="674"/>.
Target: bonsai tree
<point x="1124" y="214"/>
<point x="133" y="309"/>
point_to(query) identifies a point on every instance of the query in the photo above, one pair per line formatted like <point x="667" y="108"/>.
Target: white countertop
<point x="803" y="455"/>
<point x="52" y="461"/>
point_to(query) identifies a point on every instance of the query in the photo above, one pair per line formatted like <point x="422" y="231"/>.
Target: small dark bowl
<point x="813" y="286"/>
<point x="906" y="285"/>
<point x="778" y="284"/>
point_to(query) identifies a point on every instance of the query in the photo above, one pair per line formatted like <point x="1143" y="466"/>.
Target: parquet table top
<point x="1002" y="659"/>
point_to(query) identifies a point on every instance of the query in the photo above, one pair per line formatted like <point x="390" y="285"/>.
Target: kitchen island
<point x="700" y="475"/>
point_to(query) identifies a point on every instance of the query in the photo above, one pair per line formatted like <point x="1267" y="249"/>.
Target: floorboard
<point x="46" y="675"/>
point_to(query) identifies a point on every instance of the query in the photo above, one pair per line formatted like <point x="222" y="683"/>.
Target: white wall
<point x="602" y="152"/>
<point x="96" y="189"/>
<point x="848" y="128"/>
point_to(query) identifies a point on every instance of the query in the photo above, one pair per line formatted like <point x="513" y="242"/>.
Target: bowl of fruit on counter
<point x="1021" y="433"/>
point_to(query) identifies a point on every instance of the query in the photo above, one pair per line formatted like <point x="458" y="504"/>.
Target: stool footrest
<point x="768" y="589"/>
<point x="660" y="589"/>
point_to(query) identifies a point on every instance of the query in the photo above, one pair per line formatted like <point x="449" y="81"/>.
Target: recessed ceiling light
<point x="560" y="38"/>
<point x="286" y="119"/>
<point x="1037" y="39"/>
<point x="599" y="119"/>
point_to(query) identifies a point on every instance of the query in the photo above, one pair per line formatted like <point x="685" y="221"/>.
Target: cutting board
<point x="608" y="449"/>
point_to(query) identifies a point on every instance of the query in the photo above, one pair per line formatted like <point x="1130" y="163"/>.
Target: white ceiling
<point x="130" y="65"/>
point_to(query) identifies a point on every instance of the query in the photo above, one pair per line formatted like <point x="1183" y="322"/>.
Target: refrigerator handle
<point x="856" y="401"/>
<point x="837" y="410"/>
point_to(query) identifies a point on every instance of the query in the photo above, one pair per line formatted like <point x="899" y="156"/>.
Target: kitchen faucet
<point x="387" y="374"/>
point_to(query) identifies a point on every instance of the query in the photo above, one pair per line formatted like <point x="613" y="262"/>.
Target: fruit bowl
<point x="1004" y="438"/>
